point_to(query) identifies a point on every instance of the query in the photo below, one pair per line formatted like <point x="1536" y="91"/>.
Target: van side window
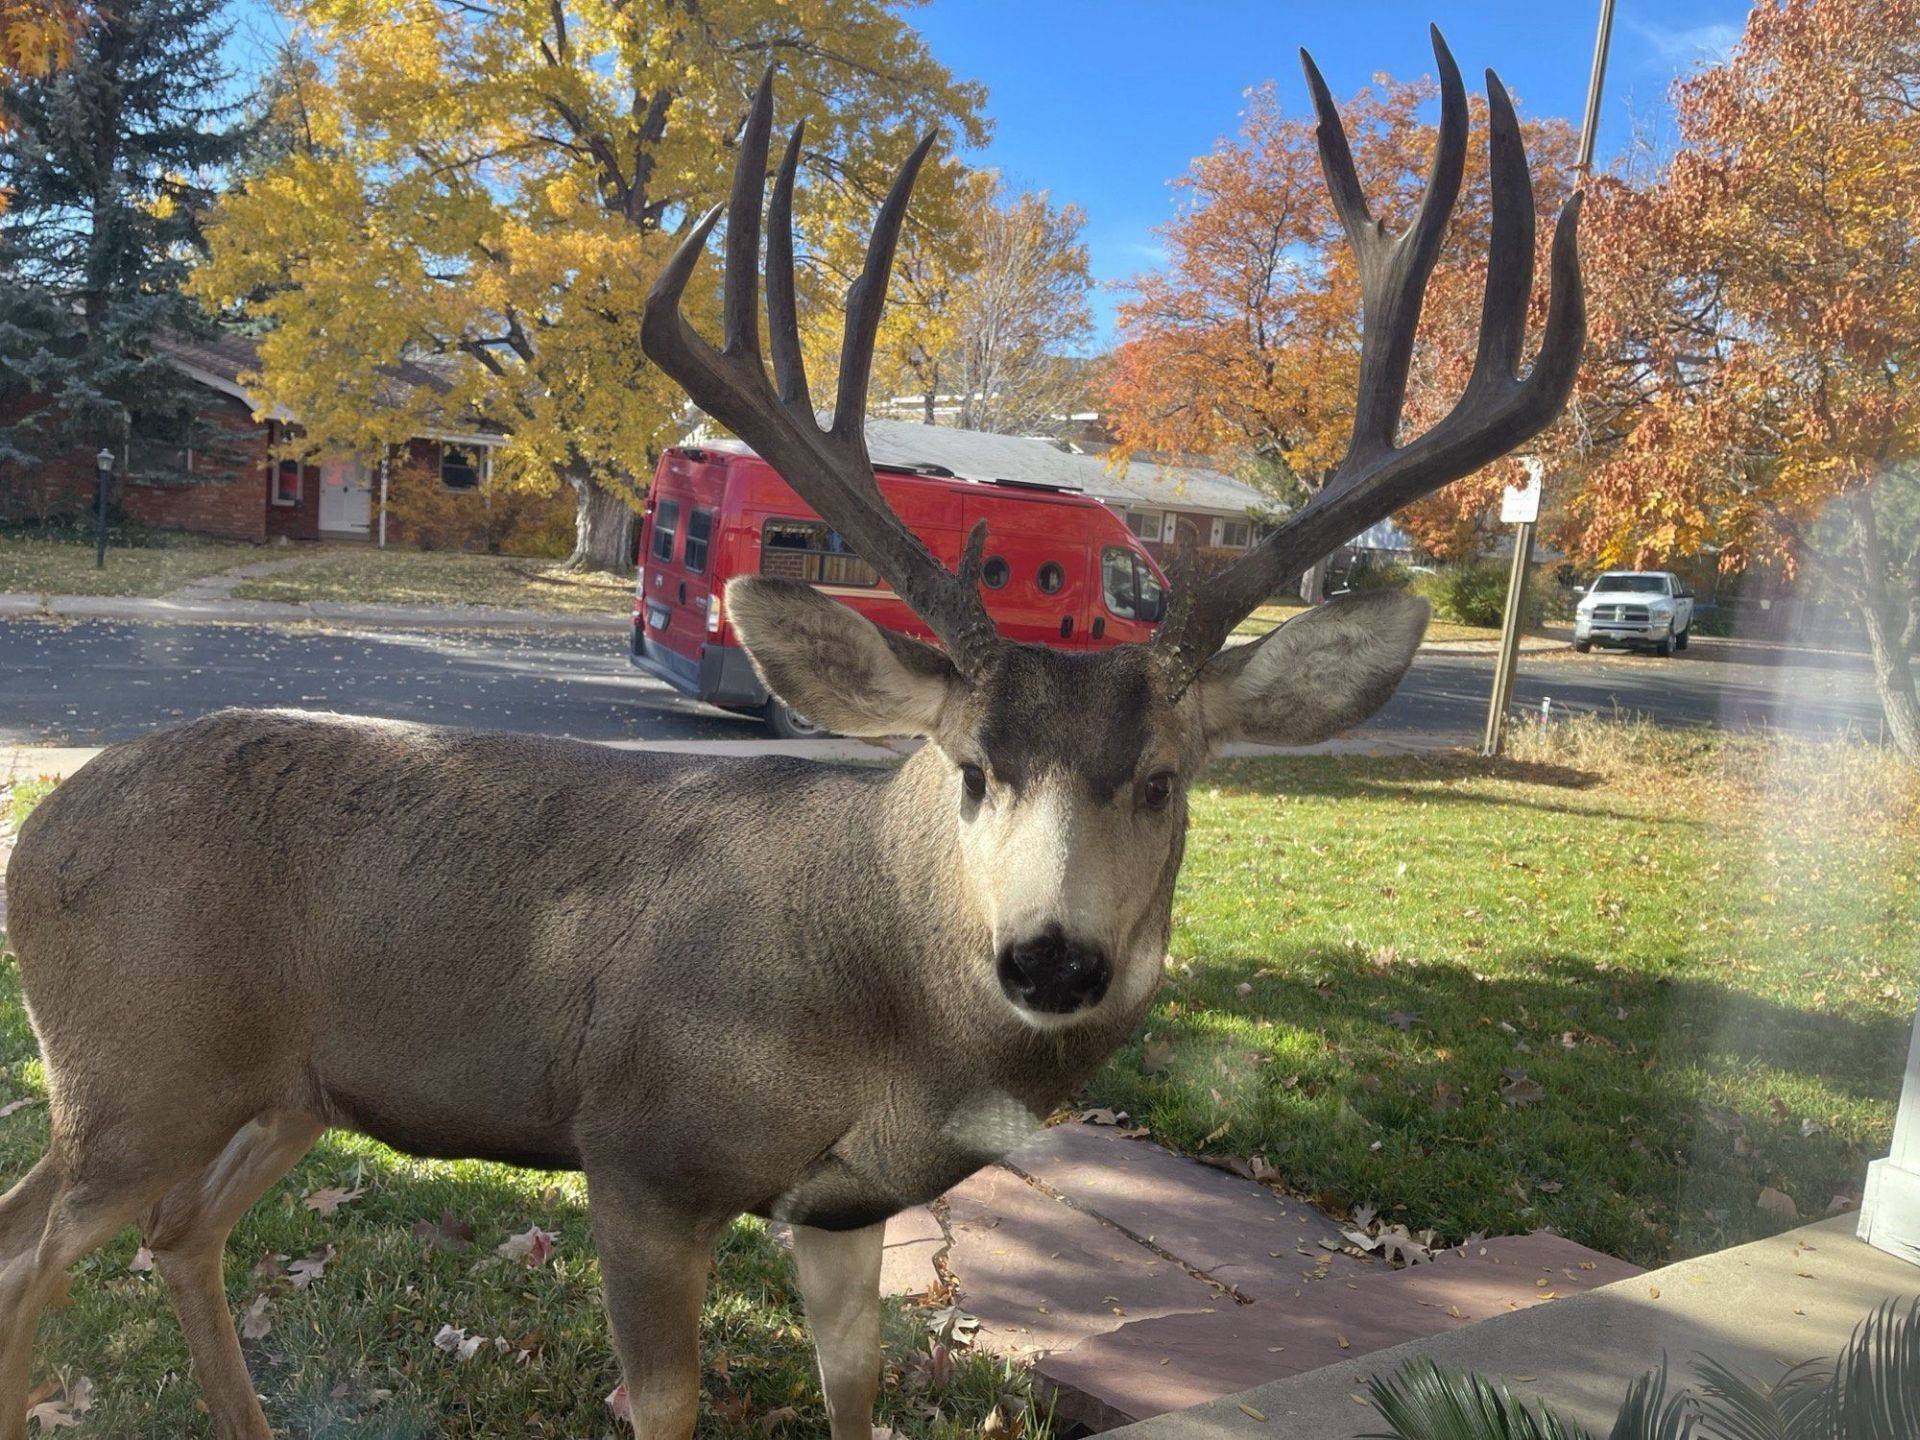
<point x="665" y="520"/>
<point x="813" y="551"/>
<point x="699" y="528"/>
<point x="1131" y="590"/>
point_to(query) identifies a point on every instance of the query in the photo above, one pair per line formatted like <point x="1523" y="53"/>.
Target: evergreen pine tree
<point x="110" y="164"/>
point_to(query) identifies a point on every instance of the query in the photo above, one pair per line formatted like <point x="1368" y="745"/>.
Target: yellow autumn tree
<point x="36" y="37"/>
<point x="491" y="189"/>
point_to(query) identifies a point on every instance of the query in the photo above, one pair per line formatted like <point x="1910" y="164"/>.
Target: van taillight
<point x="713" y="612"/>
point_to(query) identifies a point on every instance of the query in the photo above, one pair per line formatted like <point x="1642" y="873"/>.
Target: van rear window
<point x="699" y="528"/>
<point x="813" y="551"/>
<point x="666" y="520"/>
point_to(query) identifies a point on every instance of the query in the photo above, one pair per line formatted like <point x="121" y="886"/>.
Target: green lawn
<point x="1620" y="1002"/>
<point x="145" y="564"/>
<point x="417" y="577"/>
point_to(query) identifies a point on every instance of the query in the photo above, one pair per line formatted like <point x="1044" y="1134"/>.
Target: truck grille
<point x="1620" y="612"/>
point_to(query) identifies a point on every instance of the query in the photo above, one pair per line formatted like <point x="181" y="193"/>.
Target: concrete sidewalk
<point x="1759" y="1308"/>
<point x="187" y="608"/>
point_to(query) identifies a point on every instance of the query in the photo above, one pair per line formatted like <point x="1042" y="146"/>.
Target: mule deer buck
<point x="716" y="987"/>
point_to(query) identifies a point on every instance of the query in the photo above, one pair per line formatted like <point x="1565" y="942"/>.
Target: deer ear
<point x="1322" y="672"/>
<point x="836" y="667"/>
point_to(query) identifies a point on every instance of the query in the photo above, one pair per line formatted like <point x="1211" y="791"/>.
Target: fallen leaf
<point x="1445" y="1098"/>
<point x="448" y="1233"/>
<point x="458" y="1343"/>
<point x="531" y="1247"/>
<point x="325" y="1202"/>
<point x="142" y="1261"/>
<point x="1156" y="1056"/>
<point x="1519" y="1089"/>
<point x="309" y="1268"/>
<point x="1777" y="1203"/>
<point x="59" y="1414"/>
<point x="254" y="1324"/>
<point x="1243" y="989"/>
<point x="9" y="1108"/>
<point x="1253" y="1414"/>
<point x="1403" y="1020"/>
<point x="618" y="1405"/>
<point x="785" y="1415"/>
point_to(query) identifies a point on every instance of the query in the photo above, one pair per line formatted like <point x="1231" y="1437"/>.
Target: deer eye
<point x="1158" y="790"/>
<point x="975" y="780"/>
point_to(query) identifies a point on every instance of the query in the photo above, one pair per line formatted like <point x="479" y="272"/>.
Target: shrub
<point x="1475" y="593"/>
<point x="503" y="520"/>
<point x="1371" y="574"/>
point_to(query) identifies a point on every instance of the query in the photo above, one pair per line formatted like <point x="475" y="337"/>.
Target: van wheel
<point x="789" y="724"/>
<point x="1581" y="647"/>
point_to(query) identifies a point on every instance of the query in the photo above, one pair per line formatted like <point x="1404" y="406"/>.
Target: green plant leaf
<point x="1424" y="1402"/>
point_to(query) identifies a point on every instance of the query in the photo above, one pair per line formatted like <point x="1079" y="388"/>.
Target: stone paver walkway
<point x="1138" y="1282"/>
<point x="210" y="589"/>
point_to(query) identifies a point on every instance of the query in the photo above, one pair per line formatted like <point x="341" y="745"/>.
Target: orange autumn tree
<point x="1245" y="346"/>
<point x="1757" y="326"/>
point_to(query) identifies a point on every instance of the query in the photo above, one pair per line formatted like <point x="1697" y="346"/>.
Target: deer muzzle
<point x="1053" y="974"/>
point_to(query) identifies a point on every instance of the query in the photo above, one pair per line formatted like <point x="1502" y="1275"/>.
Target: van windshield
<point x="1131" y="590"/>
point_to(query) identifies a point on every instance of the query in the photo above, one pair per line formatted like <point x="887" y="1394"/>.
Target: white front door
<point x="346" y="497"/>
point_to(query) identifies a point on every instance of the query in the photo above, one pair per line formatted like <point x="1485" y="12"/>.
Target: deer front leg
<point x="653" y="1262"/>
<point x="840" y="1286"/>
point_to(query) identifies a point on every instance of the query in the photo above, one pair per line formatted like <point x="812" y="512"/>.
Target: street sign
<point x="1520" y="504"/>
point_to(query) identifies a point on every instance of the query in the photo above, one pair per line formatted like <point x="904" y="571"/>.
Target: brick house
<point x="225" y="478"/>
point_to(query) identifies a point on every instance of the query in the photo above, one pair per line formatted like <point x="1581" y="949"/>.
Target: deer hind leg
<point x="47" y="1222"/>
<point x="187" y="1232"/>
<point x="840" y="1285"/>
<point x="653" y="1260"/>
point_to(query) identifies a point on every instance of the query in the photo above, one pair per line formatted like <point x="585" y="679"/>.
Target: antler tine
<point x="1503" y="312"/>
<point x="830" y="471"/>
<point x="740" y="324"/>
<point x="1498" y="409"/>
<point x="867" y="297"/>
<point x="783" y="315"/>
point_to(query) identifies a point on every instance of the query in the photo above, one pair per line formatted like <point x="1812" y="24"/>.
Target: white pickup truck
<point x="1635" y="608"/>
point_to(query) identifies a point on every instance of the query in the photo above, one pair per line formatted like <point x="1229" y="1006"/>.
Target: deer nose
<point x="1055" y="975"/>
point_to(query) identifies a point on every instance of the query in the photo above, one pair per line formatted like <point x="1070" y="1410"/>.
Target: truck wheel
<point x="1665" y="648"/>
<point x="789" y="724"/>
<point x="1581" y="647"/>
<point x="1680" y="641"/>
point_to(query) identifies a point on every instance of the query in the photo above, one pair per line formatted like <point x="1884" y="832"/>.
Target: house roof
<point x="978" y="455"/>
<point x="220" y="361"/>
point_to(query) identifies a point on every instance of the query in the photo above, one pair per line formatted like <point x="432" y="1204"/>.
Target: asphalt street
<point x="86" y="683"/>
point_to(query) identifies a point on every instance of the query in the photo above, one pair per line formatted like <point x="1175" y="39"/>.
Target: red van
<point x="1060" y="569"/>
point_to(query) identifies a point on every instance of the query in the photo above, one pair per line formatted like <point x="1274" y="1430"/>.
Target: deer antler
<point x="830" y="469"/>
<point x="1498" y="409"/>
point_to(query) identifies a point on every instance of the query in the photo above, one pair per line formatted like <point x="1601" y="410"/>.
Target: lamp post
<point x="102" y="477"/>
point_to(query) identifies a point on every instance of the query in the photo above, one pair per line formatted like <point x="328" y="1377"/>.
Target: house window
<point x="286" y="482"/>
<point x="813" y="551"/>
<point x="666" y="520"/>
<point x="1144" y="523"/>
<point x="1235" y="534"/>
<point x="699" y="529"/>
<point x="458" y="469"/>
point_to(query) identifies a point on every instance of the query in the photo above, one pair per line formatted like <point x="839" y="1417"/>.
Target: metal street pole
<point x="1508" y="659"/>
<point x="102" y="477"/>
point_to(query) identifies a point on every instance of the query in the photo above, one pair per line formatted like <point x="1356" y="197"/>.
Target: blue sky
<point x="1102" y="102"/>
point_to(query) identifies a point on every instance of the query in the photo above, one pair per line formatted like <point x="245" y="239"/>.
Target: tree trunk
<point x="603" y="526"/>
<point x="1892" y="664"/>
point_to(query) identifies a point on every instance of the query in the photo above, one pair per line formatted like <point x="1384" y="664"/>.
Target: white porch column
<point x="1890" y="1209"/>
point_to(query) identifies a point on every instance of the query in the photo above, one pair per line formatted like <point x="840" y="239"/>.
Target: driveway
<point x="94" y="682"/>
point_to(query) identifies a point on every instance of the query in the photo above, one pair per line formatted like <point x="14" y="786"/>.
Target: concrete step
<point x="1149" y="1367"/>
